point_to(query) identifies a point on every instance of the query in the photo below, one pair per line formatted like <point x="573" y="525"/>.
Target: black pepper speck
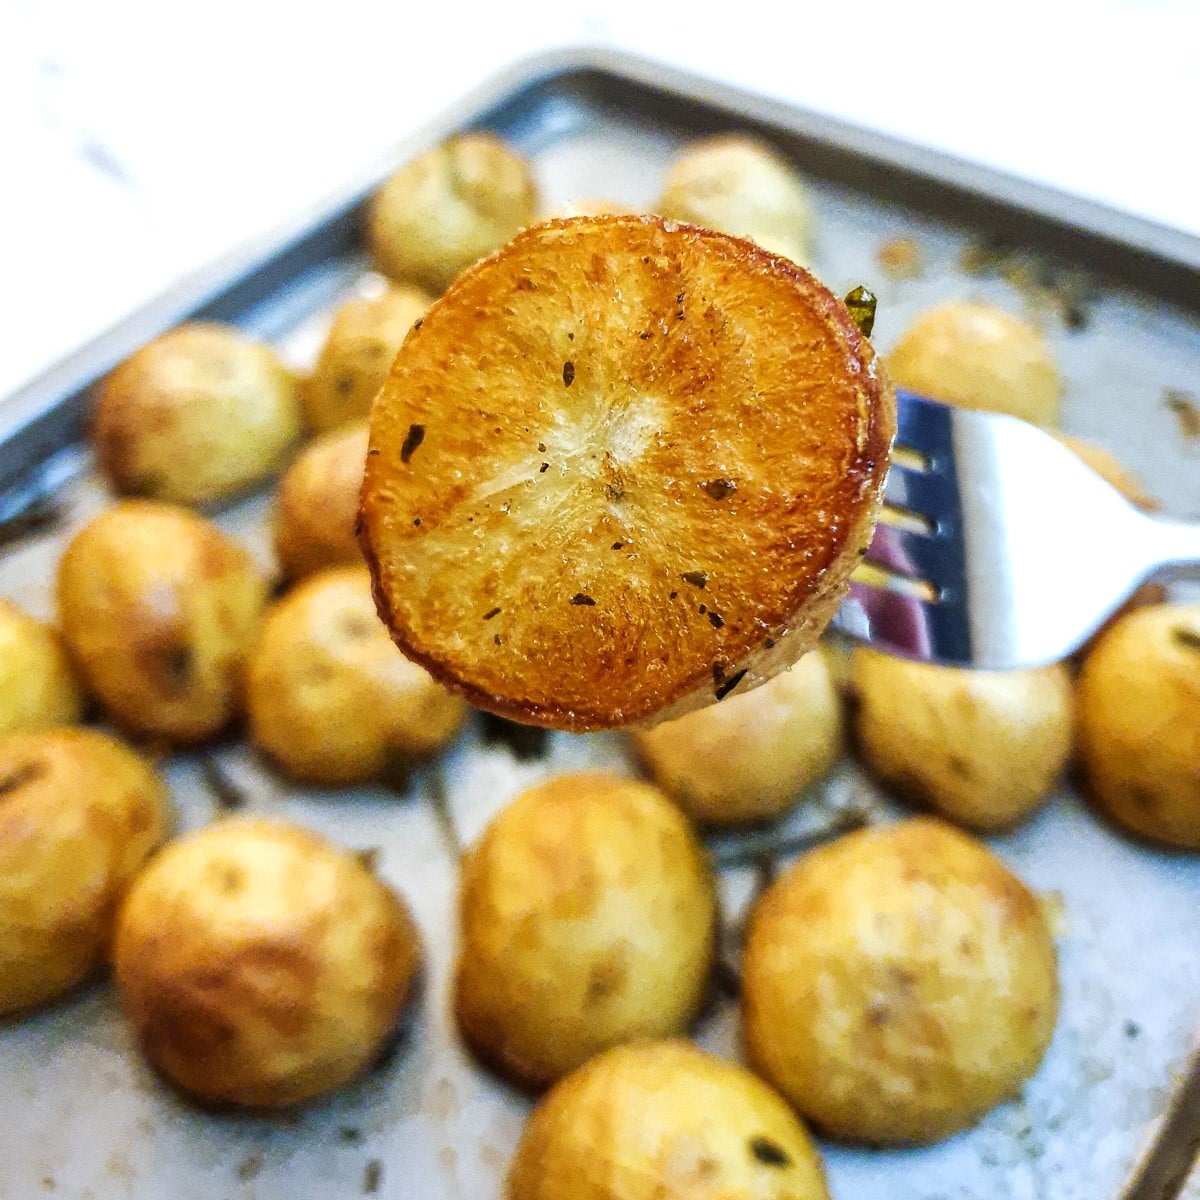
<point x="414" y="438"/>
<point x="568" y="373"/>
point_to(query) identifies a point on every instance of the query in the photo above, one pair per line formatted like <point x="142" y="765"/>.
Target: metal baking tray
<point x="82" y="1117"/>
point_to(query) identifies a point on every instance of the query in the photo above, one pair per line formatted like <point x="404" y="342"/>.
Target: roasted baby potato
<point x="980" y="747"/>
<point x="331" y="699"/>
<point x="976" y="356"/>
<point x="448" y="208"/>
<point x="160" y="610"/>
<point x="1139" y="723"/>
<point x="741" y="186"/>
<point x="79" y="814"/>
<point x="38" y="687"/>
<point x="260" y="965"/>
<point x="316" y="508"/>
<point x="750" y="758"/>
<point x="359" y="351"/>
<point x="577" y="516"/>
<point x="198" y="414"/>
<point x="588" y="917"/>
<point x="657" y="1120"/>
<point x="898" y="983"/>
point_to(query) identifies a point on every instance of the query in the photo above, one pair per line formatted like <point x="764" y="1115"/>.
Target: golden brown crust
<point x="260" y="965"/>
<point x="715" y="433"/>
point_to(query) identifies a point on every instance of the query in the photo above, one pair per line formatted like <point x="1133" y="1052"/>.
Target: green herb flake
<point x="718" y="489"/>
<point x="568" y="373"/>
<point x="862" y="304"/>
<point x="582" y="598"/>
<point x="695" y="578"/>
<point x="769" y="1153"/>
<point x="1189" y="639"/>
<point x="415" y="436"/>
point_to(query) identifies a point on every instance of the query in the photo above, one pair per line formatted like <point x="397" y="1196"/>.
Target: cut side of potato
<point x="623" y="468"/>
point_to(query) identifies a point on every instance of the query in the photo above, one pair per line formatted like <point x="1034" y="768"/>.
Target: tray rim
<point x="192" y="291"/>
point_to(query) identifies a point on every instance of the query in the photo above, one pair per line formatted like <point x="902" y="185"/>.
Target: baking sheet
<point x="81" y="1116"/>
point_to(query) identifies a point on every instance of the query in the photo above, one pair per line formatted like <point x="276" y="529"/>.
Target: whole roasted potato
<point x="898" y="983"/>
<point x="362" y="343"/>
<point x="657" y="1120"/>
<point x="976" y="356"/>
<point x="261" y="965"/>
<point x="38" y="688"/>
<point x="741" y="186"/>
<point x="198" y="414"/>
<point x="331" y="699"/>
<point x="588" y="915"/>
<point x="448" y="208"/>
<point x="160" y="610"/>
<point x="79" y="813"/>
<point x="750" y="757"/>
<point x="316" y="508"/>
<point x="1139" y="722"/>
<point x="980" y="747"/>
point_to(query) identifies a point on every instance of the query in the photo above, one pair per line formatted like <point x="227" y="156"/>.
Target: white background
<point x="138" y="140"/>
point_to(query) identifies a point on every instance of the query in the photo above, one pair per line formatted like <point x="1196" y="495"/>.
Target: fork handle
<point x="1174" y="547"/>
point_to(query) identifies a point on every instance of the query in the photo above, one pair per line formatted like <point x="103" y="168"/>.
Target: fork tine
<point x="903" y="624"/>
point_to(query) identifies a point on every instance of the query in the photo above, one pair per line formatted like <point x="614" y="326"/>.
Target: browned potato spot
<point x="980" y="747"/>
<point x="261" y="965"/>
<point x="198" y="414"/>
<point x="331" y="699"/>
<point x="38" y="687"/>
<point x="658" y="1120"/>
<point x="977" y="356"/>
<point x="1139" y="722"/>
<point x="448" y="208"/>
<point x="79" y="813"/>
<point x="588" y="914"/>
<point x="623" y="468"/>
<point x="898" y="984"/>
<point x="160" y="610"/>
<point x="363" y="340"/>
<point x="750" y="758"/>
<point x="317" y="505"/>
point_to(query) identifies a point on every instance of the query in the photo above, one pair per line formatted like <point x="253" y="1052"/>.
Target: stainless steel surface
<point x="998" y="547"/>
<point x="80" y="1115"/>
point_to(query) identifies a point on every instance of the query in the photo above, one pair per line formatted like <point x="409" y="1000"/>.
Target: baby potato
<point x="1111" y="469"/>
<point x="1139" y="723"/>
<point x="448" y="208"/>
<point x="588" y="918"/>
<point x="655" y="1120"/>
<point x="38" y="688"/>
<point x="160" y="610"/>
<point x="259" y="964"/>
<point x="980" y="747"/>
<point x="976" y="356"/>
<point x="79" y="814"/>
<point x="316" y="508"/>
<point x="331" y="699"/>
<point x="898" y="983"/>
<point x="738" y="185"/>
<point x="362" y="344"/>
<point x="750" y="757"/>
<point x="196" y="415"/>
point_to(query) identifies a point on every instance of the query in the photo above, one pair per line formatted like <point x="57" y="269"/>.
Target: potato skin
<point x="260" y="965"/>
<point x="197" y="414"/>
<point x="160" y="610"/>
<point x="588" y="918"/>
<point x="448" y="208"/>
<point x="79" y="814"/>
<point x="898" y="983"/>
<point x="663" y="1119"/>
<point x="1139" y="723"/>
<point x="364" y="337"/>
<point x="330" y="698"/>
<point x="976" y="356"/>
<point x="751" y="757"/>
<point x="38" y="686"/>
<point x="980" y="747"/>
<point x="316" y="508"/>
<point x="741" y="186"/>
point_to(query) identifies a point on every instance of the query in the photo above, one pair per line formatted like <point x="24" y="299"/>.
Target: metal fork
<point x="998" y="547"/>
